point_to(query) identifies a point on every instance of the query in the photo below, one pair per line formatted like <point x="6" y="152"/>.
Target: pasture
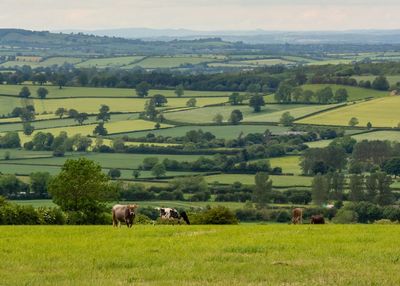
<point x="248" y="179"/>
<point x="381" y="112"/>
<point x="68" y="92"/>
<point x="355" y="93"/>
<point x="113" y="62"/>
<point x="200" y="255"/>
<point x="92" y="105"/>
<point x="170" y="62"/>
<point x="226" y="131"/>
<point x="112" y="127"/>
<point x="268" y="113"/>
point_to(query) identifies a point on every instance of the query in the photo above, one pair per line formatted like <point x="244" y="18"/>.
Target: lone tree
<point x="42" y="92"/>
<point x="136" y="174"/>
<point x="104" y="113"/>
<point x="114" y="173"/>
<point x="380" y="83"/>
<point x="236" y="116"/>
<point x="218" y="118"/>
<point x="262" y="190"/>
<point x="158" y="170"/>
<point x="142" y="89"/>
<point x="28" y="128"/>
<point x="159" y="100"/>
<point x="100" y="129"/>
<point x="179" y="90"/>
<point x="369" y="125"/>
<point x="236" y="98"/>
<point x="150" y="109"/>
<point x="286" y="119"/>
<point x="80" y="186"/>
<point x="60" y="112"/>
<point x="191" y="102"/>
<point x="353" y="121"/>
<point x="73" y="113"/>
<point x="81" y="117"/>
<point x="25" y="92"/>
<point x="256" y="101"/>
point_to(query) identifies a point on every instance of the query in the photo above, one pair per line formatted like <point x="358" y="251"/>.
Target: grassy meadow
<point x="381" y="112"/>
<point x="200" y="255"/>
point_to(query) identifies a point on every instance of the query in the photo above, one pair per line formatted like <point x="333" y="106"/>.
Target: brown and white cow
<point x="297" y="216"/>
<point x="123" y="213"/>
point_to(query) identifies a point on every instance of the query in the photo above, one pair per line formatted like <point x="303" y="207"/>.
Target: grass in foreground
<point x="200" y="255"/>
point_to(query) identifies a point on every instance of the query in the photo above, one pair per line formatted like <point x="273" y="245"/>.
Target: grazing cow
<point x="317" y="219"/>
<point x="297" y="216"/>
<point x="173" y="214"/>
<point x="124" y="213"/>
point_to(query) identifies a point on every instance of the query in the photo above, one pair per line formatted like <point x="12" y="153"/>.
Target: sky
<point x="206" y="15"/>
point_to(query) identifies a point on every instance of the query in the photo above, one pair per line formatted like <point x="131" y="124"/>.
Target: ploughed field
<point x="200" y="255"/>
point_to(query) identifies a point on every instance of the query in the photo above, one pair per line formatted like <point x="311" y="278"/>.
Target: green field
<point x="277" y="181"/>
<point x="379" y="135"/>
<point x="227" y="132"/>
<point x="115" y="160"/>
<point x="382" y="112"/>
<point x="66" y="92"/>
<point x="170" y="62"/>
<point x="269" y="113"/>
<point x="289" y="164"/>
<point x="200" y="255"/>
<point x="355" y="93"/>
<point x="45" y="63"/>
<point x="92" y="105"/>
<point x="113" y="62"/>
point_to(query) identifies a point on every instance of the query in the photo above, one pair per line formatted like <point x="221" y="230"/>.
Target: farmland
<point x="276" y="255"/>
<point x="68" y="92"/>
<point x="269" y="113"/>
<point x="381" y="112"/>
<point x="355" y="93"/>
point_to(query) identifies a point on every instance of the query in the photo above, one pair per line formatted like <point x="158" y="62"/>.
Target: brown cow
<point x="317" y="219"/>
<point x="297" y="216"/>
<point x="124" y="213"/>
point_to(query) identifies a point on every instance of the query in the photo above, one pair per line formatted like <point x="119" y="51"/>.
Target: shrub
<point x="344" y="216"/>
<point x="51" y="216"/>
<point x="143" y="219"/>
<point x="218" y="215"/>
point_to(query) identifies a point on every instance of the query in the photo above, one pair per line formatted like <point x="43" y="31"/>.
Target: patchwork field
<point x="382" y="112"/>
<point x="170" y="62"/>
<point x="113" y="62"/>
<point x="92" y="105"/>
<point x="228" y="132"/>
<point x="45" y="63"/>
<point x="269" y="113"/>
<point x="355" y="93"/>
<point x="112" y="127"/>
<point x="65" y="92"/>
<point x="208" y="255"/>
<point x="277" y="181"/>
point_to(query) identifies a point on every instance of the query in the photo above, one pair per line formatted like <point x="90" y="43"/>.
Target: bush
<point x="283" y="216"/>
<point x="51" y="216"/>
<point x="149" y="212"/>
<point x="385" y="221"/>
<point x="143" y="219"/>
<point x="217" y="215"/>
<point x="345" y="216"/>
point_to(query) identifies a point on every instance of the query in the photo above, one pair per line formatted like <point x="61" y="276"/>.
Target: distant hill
<point x="257" y="36"/>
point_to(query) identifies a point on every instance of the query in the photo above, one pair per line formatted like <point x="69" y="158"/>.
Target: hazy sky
<point x="201" y="14"/>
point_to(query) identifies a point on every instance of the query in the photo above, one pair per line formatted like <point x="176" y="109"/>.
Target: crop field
<point x="277" y="181"/>
<point x="228" y="131"/>
<point x="56" y="122"/>
<point x="66" y="92"/>
<point x="201" y="255"/>
<point x="92" y="105"/>
<point x="382" y="112"/>
<point x="113" y="62"/>
<point x="269" y="113"/>
<point x="379" y="135"/>
<point x="23" y="154"/>
<point x="355" y="93"/>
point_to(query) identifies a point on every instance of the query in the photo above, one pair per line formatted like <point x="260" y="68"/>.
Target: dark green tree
<point x="104" y="113"/>
<point x="25" y="92"/>
<point x="42" y="92"/>
<point x="142" y="89"/>
<point x="257" y="101"/>
<point x="262" y="190"/>
<point x="236" y="117"/>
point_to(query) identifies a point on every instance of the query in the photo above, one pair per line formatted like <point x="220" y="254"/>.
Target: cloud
<point x="201" y="14"/>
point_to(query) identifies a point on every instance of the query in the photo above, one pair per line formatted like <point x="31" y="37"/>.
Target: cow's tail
<point x="185" y="217"/>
